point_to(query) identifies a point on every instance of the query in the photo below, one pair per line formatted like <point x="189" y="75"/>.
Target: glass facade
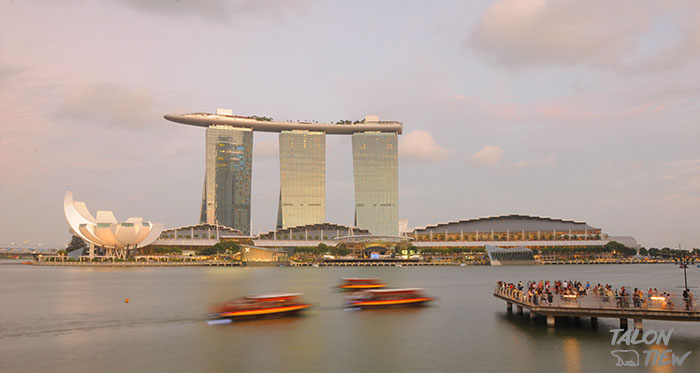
<point x="302" y="178"/>
<point x="503" y="256"/>
<point x="227" y="181"/>
<point x="376" y="170"/>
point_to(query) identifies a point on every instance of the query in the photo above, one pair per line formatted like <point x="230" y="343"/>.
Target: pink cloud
<point x="488" y="155"/>
<point x="419" y="145"/>
<point x="527" y="33"/>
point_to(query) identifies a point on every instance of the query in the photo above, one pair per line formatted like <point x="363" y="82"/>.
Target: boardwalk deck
<point x="595" y="307"/>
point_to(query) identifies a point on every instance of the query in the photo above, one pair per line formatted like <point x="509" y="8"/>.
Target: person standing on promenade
<point x="688" y="299"/>
<point x="667" y="299"/>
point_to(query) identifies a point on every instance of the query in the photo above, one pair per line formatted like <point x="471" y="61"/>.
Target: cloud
<point x="217" y="10"/>
<point x="685" y="173"/>
<point x="419" y="145"/>
<point x="111" y="104"/>
<point x="549" y="160"/>
<point x="266" y="148"/>
<point x="488" y="155"/>
<point x="617" y="34"/>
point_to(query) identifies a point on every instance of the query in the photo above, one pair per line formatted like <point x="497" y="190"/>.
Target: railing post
<point x="638" y="324"/>
<point x="623" y="323"/>
<point x="550" y="321"/>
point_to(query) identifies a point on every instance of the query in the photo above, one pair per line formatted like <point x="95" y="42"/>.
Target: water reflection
<point x="68" y="314"/>
<point x="654" y="366"/>
<point x="572" y="354"/>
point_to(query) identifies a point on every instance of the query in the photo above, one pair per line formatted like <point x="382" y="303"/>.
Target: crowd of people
<point x="569" y="293"/>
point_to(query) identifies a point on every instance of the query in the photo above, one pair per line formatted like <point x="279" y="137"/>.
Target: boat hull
<point x="263" y="312"/>
<point x="362" y="287"/>
<point x="411" y="302"/>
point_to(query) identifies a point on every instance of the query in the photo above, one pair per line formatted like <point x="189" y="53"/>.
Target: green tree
<point x="643" y="251"/>
<point x="339" y="250"/>
<point x="614" y="245"/>
<point x="76" y="243"/>
<point x="620" y="248"/>
<point x="221" y="248"/>
<point x="665" y="252"/>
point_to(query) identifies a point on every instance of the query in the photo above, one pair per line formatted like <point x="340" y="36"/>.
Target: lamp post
<point x="684" y="260"/>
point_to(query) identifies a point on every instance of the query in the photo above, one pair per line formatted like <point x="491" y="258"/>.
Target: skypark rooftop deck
<point x="370" y="124"/>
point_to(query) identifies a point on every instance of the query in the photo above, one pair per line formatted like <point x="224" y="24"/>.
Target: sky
<point x="583" y="110"/>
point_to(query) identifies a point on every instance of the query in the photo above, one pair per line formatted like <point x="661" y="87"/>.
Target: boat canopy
<point x="395" y="291"/>
<point x="279" y="296"/>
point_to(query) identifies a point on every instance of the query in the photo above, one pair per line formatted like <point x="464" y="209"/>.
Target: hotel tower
<point x="302" y="200"/>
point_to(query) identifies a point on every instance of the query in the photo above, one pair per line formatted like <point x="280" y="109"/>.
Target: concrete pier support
<point x="509" y="307"/>
<point x="638" y="324"/>
<point x="623" y="323"/>
<point x="520" y="310"/>
<point x="550" y="320"/>
<point x="533" y="315"/>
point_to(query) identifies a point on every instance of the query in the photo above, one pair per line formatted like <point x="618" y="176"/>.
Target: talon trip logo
<point x="632" y="358"/>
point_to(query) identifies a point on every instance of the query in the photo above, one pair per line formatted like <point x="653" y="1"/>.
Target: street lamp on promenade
<point x="683" y="263"/>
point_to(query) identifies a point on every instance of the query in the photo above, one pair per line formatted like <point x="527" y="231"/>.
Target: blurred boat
<point x="382" y="298"/>
<point x="356" y="283"/>
<point x="258" y="306"/>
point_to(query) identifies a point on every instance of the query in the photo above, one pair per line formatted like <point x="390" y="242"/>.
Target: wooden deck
<point x="595" y="307"/>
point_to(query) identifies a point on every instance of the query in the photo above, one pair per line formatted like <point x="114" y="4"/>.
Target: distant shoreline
<point x="295" y="264"/>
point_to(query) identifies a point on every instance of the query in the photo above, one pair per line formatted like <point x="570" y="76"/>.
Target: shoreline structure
<point x="349" y="263"/>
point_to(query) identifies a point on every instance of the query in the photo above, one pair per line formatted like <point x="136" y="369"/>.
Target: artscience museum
<point x="105" y="232"/>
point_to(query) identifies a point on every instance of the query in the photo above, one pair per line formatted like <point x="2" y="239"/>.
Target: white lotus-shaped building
<point x="105" y="231"/>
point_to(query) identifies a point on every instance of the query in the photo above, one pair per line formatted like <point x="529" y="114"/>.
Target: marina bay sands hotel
<point x="302" y="201"/>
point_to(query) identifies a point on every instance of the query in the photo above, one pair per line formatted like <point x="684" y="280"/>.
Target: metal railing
<point x="672" y="302"/>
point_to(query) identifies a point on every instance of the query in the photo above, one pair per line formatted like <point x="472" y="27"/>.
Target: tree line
<point x="323" y="249"/>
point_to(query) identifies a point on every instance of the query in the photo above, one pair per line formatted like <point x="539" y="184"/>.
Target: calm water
<point x="75" y="319"/>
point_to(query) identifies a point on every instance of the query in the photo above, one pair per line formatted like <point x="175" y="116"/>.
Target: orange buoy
<point x="126" y="300"/>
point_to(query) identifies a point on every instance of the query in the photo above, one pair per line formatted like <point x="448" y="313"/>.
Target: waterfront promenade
<point x="671" y="307"/>
<point x="375" y="263"/>
<point x="226" y="263"/>
<point x="109" y="263"/>
<point x="57" y="261"/>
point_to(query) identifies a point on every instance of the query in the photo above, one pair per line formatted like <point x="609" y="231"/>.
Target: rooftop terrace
<point x="370" y="123"/>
